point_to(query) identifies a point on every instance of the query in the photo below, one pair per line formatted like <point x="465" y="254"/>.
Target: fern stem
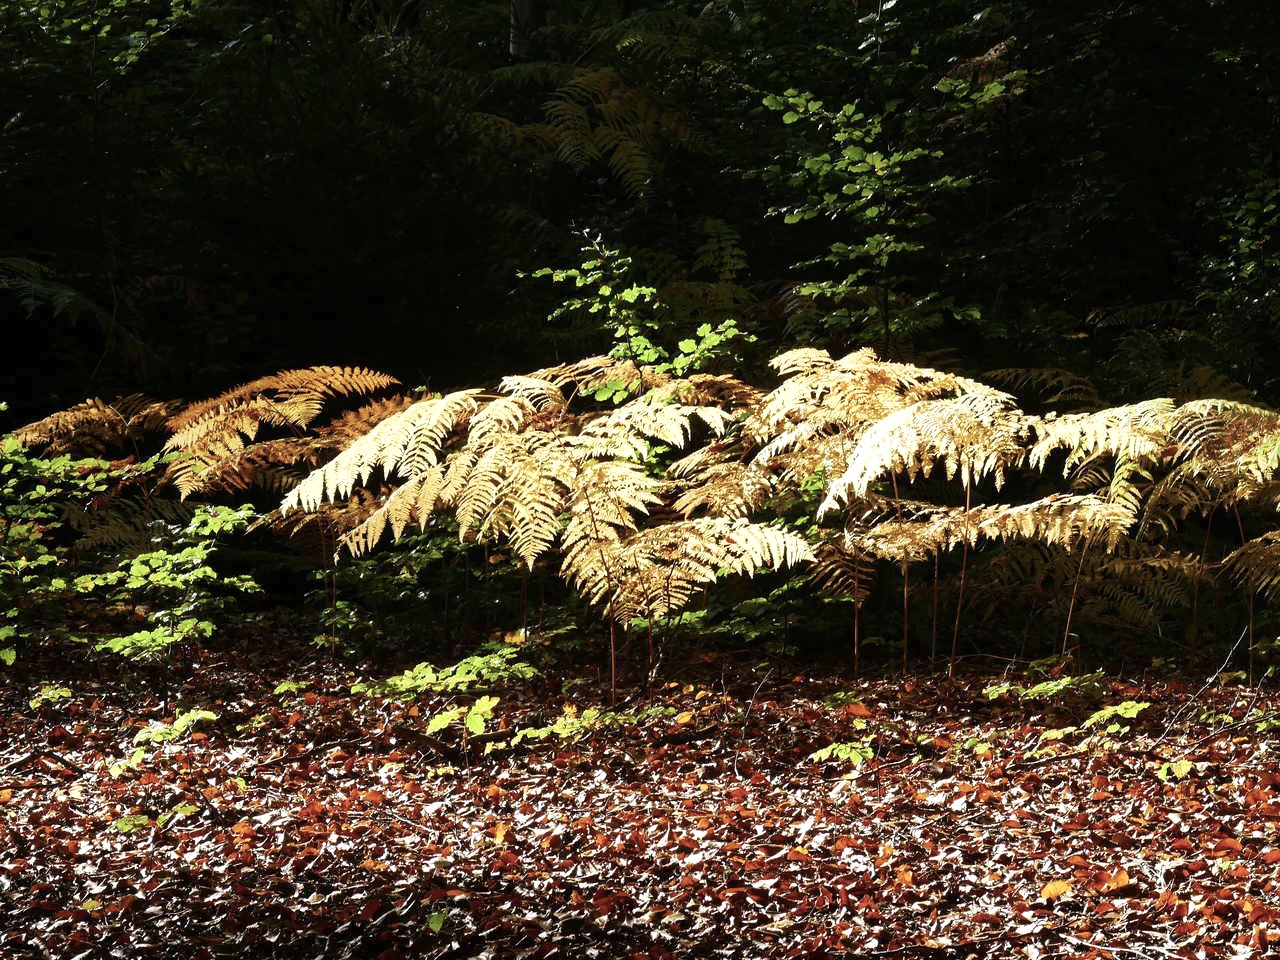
<point x="1075" y="592"/>
<point x="906" y="612"/>
<point x="937" y="593"/>
<point x="1193" y="631"/>
<point x="649" y="666"/>
<point x="613" y="662"/>
<point x="857" y="640"/>
<point x="964" y="569"/>
<point x="906" y="574"/>
<point x="1250" y="652"/>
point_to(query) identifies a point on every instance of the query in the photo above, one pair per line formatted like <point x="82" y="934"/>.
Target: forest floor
<point x="307" y="821"/>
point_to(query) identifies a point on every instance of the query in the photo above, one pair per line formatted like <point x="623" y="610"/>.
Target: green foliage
<point x="34" y="548"/>
<point x="496" y="666"/>
<point x="158" y="733"/>
<point x="174" y="588"/>
<point x="681" y="327"/>
<point x="49" y="693"/>
<point x="854" y="752"/>
<point x="877" y="196"/>
<point x="171" y="591"/>
<point x="1084" y="685"/>
<point x="499" y="664"/>
<point x="175" y="729"/>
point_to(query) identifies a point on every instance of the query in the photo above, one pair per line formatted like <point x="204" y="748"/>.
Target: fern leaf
<point x="404" y="444"/>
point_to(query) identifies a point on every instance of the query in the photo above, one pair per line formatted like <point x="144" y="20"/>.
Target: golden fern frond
<point x="972" y="437"/>
<point x="351" y="424"/>
<point x="403" y="444"/>
<point x="642" y="419"/>
<point x="503" y="415"/>
<point x="822" y="396"/>
<point x="1256" y="564"/>
<point x="1134" y="431"/>
<point x="95" y="427"/>
<point x="929" y="533"/>
<point x="1051" y="387"/>
<point x="517" y="490"/>
<point x="317" y="532"/>
<point x="413" y="501"/>
<point x="542" y="393"/>
<point x="1234" y="446"/>
<point x="298" y="394"/>
<point x="305" y="391"/>
<point x="273" y="465"/>
<point x="213" y="433"/>
<point x="606" y="498"/>
<point x="1063" y="520"/>
<point x="657" y="571"/>
<point x="709" y="390"/>
<point x="843" y="569"/>
<point x="496" y="462"/>
<point x="803" y="360"/>
<point x="1131" y="481"/>
<point x="725" y="489"/>
<point x="1182" y="492"/>
<point x="592" y="373"/>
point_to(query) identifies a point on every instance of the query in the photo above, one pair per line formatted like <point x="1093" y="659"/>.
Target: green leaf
<point x="8" y="656"/>
<point x="132" y="822"/>
<point x="1175" y="769"/>
<point x="474" y="722"/>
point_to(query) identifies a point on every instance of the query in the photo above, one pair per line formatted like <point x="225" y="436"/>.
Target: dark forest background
<point x="195" y="193"/>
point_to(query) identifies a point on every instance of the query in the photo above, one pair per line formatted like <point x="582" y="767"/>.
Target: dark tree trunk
<point x="526" y="17"/>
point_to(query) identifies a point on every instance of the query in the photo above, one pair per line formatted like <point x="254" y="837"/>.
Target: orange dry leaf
<point x="1055" y="889"/>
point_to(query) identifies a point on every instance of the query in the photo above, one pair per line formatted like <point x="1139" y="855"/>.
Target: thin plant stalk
<point x="906" y="612"/>
<point x="613" y="662"/>
<point x="964" y="569"/>
<point x="1075" y="592"/>
<point x="857" y="639"/>
<point x="1252" y="653"/>
<point x="937" y="592"/>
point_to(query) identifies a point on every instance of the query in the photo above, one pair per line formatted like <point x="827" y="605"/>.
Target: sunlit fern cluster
<point x="644" y="504"/>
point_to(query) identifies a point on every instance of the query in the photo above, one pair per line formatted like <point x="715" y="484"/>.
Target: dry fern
<point x="209" y="438"/>
<point x="658" y="571"/>
<point x="96" y="428"/>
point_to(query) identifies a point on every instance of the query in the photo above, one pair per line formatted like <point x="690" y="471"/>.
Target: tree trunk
<point x="526" y="17"/>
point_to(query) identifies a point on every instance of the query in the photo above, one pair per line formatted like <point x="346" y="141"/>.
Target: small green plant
<point x="573" y="724"/>
<point x="49" y="693"/>
<point x="645" y="321"/>
<point x="878" y="193"/>
<point x="497" y="665"/>
<point x="175" y="729"/>
<point x="854" y="752"/>
<point x="1086" y="685"/>
<point x="33" y="536"/>
<point x="1106" y="724"/>
<point x="173" y="588"/>
<point x="157" y="733"/>
<point x="1175" y="770"/>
